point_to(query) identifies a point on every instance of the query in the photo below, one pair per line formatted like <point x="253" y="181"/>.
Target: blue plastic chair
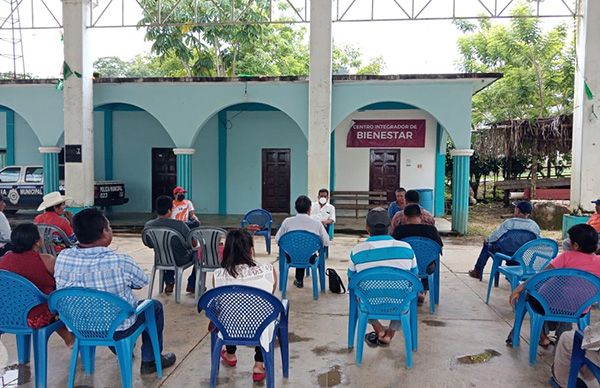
<point x="297" y="249"/>
<point x="17" y="298"/>
<point x="240" y="315"/>
<point x="578" y="360"/>
<point x="564" y="295"/>
<point x="428" y="251"/>
<point x="531" y="258"/>
<point x="510" y="242"/>
<point x="93" y="316"/>
<point x="262" y="218"/>
<point x="383" y="293"/>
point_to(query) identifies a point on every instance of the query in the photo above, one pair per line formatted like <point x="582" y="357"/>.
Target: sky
<point x="407" y="47"/>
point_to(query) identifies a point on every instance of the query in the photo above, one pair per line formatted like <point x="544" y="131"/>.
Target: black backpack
<point x="335" y="282"/>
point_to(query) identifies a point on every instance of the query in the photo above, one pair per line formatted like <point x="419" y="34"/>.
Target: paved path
<point x="463" y="325"/>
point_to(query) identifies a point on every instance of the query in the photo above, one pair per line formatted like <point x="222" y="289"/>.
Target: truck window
<point x="9" y="175"/>
<point x="34" y="175"/>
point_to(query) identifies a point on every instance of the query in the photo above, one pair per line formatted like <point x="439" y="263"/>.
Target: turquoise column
<point x="440" y="172"/>
<point x="184" y="169"/>
<point x="460" y="189"/>
<point x="51" y="182"/>
<point x="222" y="139"/>
<point x="10" y="137"/>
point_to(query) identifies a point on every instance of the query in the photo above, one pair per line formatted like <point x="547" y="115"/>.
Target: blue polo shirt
<point x="382" y="251"/>
<point x="393" y="208"/>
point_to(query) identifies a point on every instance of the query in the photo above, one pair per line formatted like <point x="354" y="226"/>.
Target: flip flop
<point x="227" y="361"/>
<point x="373" y="341"/>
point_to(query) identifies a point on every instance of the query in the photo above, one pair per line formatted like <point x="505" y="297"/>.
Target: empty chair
<point x="558" y="295"/>
<point x="93" y="316"/>
<point x="53" y="237"/>
<point x="207" y="240"/>
<point x="264" y="220"/>
<point x="383" y="293"/>
<point x="246" y="316"/>
<point x="17" y="298"/>
<point x="530" y="259"/>
<point x="301" y="249"/>
<point x="428" y="254"/>
<point x="159" y="239"/>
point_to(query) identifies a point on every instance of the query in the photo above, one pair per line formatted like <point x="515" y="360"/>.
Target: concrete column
<point x="319" y="96"/>
<point x="78" y="106"/>
<point x="460" y="189"/>
<point x="10" y="137"/>
<point x="51" y="180"/>
<point x="585" y="181"/>
<point x="184" y="168"/>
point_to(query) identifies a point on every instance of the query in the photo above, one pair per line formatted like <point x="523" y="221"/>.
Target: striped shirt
<point x="382" y="251"/>
<point x="102" y="269"/>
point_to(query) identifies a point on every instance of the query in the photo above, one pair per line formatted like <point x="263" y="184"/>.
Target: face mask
<point x="322" y="200"/>
<point x="180" y="197"/>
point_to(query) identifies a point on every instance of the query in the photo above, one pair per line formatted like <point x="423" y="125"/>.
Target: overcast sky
<point x="406" y="46"/>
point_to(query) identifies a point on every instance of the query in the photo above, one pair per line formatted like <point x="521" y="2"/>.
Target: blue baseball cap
<point x="524" y="206"/>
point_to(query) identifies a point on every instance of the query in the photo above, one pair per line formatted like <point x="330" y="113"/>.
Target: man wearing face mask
<point x="183" y="209"/>
<point x="322" y="210"/>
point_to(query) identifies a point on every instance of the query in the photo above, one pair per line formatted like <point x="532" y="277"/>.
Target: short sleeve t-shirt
<point x="51" y="218"/>
<point x="588" y="262"/>
<point x="181" y="210"/>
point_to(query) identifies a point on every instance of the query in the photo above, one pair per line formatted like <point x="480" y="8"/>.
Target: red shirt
<point x="51" y="218"/>
<point x="30" y="265"/>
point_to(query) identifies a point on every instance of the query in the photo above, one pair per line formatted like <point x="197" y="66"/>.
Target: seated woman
<point x="54" y="205"/>
<point x="25" y="260"/>
<point x="584" y="240"/>
<point x="239" y="268"/>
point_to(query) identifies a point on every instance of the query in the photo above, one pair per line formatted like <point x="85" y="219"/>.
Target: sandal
<point x="258" y="377"/>
<point x="226" y="360"/>
<point x="373" y="341"/>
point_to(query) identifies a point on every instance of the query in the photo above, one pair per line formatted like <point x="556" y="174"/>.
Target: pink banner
<point x="386" y="133"/>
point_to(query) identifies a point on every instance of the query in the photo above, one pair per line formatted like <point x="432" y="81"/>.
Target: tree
<point x="232" y="49"/>
<point x="538" y="73"/>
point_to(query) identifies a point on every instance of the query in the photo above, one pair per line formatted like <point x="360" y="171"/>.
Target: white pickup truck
<point x="23" y="186"/>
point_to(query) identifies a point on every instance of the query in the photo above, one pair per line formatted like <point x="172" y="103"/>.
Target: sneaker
<point x="298" y="284"/>
<point x="169" y="288"/>
<point x="475" y="274"/>
<point x="167" y="360"/>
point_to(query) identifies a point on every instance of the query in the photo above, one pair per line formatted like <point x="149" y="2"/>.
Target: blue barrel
<point x="426" y="199"/>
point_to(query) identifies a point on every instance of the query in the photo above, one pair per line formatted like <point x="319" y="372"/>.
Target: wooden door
<point x="164" y="173"/>
<point x="384" y="172"/>
<point x="276" y="169"/>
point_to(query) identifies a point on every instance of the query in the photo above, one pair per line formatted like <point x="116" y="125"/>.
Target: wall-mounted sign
<point x="386" y="133"/>
<point x="73" y="153"/>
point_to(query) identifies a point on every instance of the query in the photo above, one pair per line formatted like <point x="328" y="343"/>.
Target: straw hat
<point x="52" y="199"/>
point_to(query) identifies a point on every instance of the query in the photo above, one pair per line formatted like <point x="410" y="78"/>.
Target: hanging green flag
<point x="67" y="72"/>
<point x="60" y="85"/>
<point x="588" y="91"/>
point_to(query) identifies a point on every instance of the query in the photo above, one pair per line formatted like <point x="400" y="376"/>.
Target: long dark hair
<point x="237" y="250"/>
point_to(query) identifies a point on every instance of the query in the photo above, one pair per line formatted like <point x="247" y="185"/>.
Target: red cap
<point x="178" y="190"/>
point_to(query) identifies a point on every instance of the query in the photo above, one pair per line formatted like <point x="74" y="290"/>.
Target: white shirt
<point x="4" y="229"/>
<point x="327" y="212"/>
<point x="303" y="222"/>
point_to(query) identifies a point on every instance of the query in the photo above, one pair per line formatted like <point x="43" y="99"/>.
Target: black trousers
<point x="257" y="352"/>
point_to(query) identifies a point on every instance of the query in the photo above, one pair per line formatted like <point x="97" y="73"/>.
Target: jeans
<point x="487" y="250"/>
<point x="147" y="352"/>
<point x="169" y="277"/>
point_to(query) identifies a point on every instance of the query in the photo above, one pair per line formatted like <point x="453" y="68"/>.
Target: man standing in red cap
<point x="183" y="209"/>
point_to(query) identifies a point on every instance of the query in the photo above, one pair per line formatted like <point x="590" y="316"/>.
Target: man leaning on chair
<point x="92" y="264"/>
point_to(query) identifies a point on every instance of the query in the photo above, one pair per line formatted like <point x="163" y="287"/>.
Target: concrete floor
<point x="463" y="325"/>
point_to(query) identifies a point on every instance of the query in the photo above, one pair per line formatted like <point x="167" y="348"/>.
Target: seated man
<point x="183" y="253"/>
<point x="594" y="222"/>
<point x="302" y="221"/>
<point x="92" y="264"/>
<point x="399" y="204"/>
<point x="183" y="209"/>
<point x="520" y="221"/>
<point x="412" y="197"/>
<point x="322" y="210"/>
<point x="381" y="250"/>
<point x="54" y="205"/>
<point x="414" y="228"/>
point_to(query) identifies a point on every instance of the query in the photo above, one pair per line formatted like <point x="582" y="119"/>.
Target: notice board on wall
<point x="386" y="133"/>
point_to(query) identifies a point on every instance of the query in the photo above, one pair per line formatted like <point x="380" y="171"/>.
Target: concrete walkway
<point x="463" y="325"/>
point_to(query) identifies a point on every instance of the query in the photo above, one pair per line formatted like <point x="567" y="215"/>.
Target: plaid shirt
<point x="102" y="269"/>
